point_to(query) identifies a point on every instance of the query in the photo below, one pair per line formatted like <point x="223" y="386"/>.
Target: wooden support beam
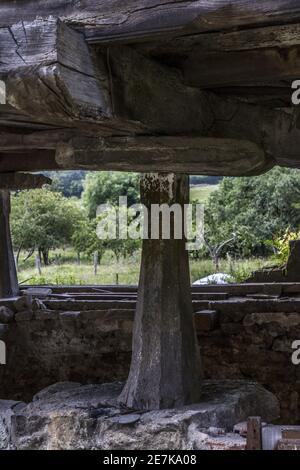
<point x="194" y="155"/>
<point x="244" y="139"/>
<point x="265" y="37"/>
<point x="120" y="91"/>
<point x="165" y="370"/>
<point x="50" y="73"/>
<point x="8" y="274"/>
<point x="30" y="160"/>
<point x="140" y="20"/>
<point x="18" y="181"/>
<point x="254" y="433"/>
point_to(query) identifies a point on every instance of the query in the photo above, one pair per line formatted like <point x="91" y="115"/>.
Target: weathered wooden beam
<point x="8" y="274"/>
<point x="272" y="95"/>
<point x="32" y="160"/>
<point x="235" y="57"/>
<point x="120" y="91"/>
<point x="265" y="37"/>
<point x="50" y="74"/>
<point x="274" y="130"/>
<point x="221" y="69"/>
<point x="18" y="181"/>
<point x="139" y="20"/>
<point x="150" y="93"/>
<point x="165" y="369"/>
<point x="193" y="155"/>
<point x="254" y="433"/>
<point x="175" y="154"/>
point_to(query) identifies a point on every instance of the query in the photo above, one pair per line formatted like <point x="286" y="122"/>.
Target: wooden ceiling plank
<point x="139" y="20"/>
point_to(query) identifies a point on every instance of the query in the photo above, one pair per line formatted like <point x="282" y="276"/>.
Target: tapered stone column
<point x="8" y="274"/>
<point x="165" y="369"/>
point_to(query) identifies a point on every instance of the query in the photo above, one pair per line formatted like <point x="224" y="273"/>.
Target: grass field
<point x="65" y="271"/>
<point x="202" y="192"/>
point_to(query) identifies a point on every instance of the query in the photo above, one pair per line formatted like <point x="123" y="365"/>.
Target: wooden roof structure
<point x="201" y="86"/>
<point x="163" y="87"/>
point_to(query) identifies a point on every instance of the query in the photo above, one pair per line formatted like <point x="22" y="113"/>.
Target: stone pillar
<point x="165" y="369"/>
<point x="8" y="274"/>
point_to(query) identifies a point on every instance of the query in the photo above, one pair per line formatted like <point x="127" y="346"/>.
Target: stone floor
<point x="73" y="416"/>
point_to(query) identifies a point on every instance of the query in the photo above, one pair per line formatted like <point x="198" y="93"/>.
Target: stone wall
<point x="239" y="338"/>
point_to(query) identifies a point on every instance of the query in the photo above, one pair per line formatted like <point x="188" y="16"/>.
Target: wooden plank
<point x="16" y="181"/>
<point x="266" y="37"/>
<point x="254" y="436"/>
<point x="137" y="20"/>
<point x="32" y="160"/>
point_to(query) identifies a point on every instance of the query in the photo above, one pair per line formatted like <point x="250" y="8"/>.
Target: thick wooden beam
<point x="265" y="37"/>
<point x="194" y="155"/>
<point x="274" y="130"/>
<point x="8" y="274"/>
<point x="120" y="90"/>
<point x="32" y="160"/>
<point x="221" y="69"/>
<point x="165" y="370"/>
<point x="50" y="74"/>
<point x="19" y="181"/>
<point x="139" y="20"/>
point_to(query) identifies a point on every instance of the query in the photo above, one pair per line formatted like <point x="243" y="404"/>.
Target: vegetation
<point x="248" y="223"/>
<point x="43" y="220"/>
<point x="202" y="193"/>
<point x="64" y="269"/>
<point x="108" y="186"/>
<point x="256" y="210"/>
<point x="69" y="183"/>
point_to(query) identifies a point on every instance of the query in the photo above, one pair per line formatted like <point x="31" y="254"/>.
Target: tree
<point x="107" y="186"/>
<point x="69" y="183"/>
<point x="256" y="209"/>
<point x="85" y="240"/>
<point x="43" y="220"/>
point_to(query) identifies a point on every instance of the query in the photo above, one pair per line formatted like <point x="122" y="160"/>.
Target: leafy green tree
<point x="107" y="186"/>
<point x="254" y="208"/>
<point x="43" y="220"/>
<point x="85" y="240"/>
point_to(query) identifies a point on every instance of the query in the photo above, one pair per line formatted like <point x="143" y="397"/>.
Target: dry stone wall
<point x="53" y="341"/>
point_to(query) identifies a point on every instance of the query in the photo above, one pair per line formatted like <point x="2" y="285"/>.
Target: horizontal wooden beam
<point x="52" y="77"/>
<point x="264" y="54"/>
<point x="266" y="37"/>
<point x="142" y="154"/>
<point x="30" y="160"/>
<point x="18" y="181"/>
<point x="140" y="20"/>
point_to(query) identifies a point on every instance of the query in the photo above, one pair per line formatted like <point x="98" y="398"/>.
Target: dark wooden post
<point x="165" y="369"/>
<point x="8" y="273"/>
